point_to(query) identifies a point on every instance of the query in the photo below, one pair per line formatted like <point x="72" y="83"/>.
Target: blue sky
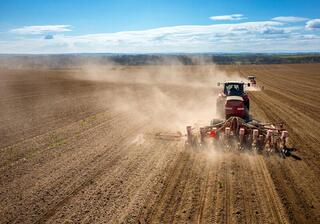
<point x="158" y="26"/>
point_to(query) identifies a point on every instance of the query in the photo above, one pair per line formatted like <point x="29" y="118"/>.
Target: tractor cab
<point x="233" y="101"/>
<point x="233" y="89"/>
<point x="252" y="79"/>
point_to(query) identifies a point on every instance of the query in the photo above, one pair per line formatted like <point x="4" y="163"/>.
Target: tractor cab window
<point x="233" y="89"/>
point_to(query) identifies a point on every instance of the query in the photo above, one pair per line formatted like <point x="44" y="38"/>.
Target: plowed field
<point x="80" y="149"/>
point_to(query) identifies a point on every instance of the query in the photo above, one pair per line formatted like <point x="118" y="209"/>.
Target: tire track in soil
<point x="169" y="182"/>
<point x="210" y="207"/>
<point x="190" y="203"/>
<point x="224" y="194"/>
<point x="252" y="201"/>
<point x="96" y="158"/>
<point x="48" y="121"/>
<point x="146" y="194"/>
<point x="157" y="194"/>
<point x="203" y="195"/>
<point x="207" y="198"/>
<point x="46" y="153"/>
<point x="101" y="168"/>
<point x="296" y="199"/>
<point x="276" y="205"/>
<point x="229" y="194"/>
<point x="219" y="206"/>
<point x="171" y="197"/>
<point x="129" y="180"/>
<point x="245" y="194"/>
<point x="45" y="146"/>
<point x="185" y="200"/>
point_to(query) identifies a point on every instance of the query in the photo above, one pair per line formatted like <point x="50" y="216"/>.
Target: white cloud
<point x="272" y="30"/>
<point x="262" y="36"/>
<point x="175" y="35"/>
<point x="289" y="19"/>
<point x="228" y="17"/>
<point x="42" y="29"/>
<point x="313" y="24"/>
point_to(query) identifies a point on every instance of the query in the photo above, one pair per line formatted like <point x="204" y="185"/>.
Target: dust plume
<point x="170" y="96"/>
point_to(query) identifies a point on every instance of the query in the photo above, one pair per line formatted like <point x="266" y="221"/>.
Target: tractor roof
<point x="233" y="82"/>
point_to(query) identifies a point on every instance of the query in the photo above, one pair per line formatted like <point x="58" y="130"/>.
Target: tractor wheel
<point x="248" y="105"/>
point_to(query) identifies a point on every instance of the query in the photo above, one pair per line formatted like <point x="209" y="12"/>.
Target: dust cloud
<point x="169" y="96"/>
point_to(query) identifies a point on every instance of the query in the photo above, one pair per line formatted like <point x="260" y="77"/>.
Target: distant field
<point x="76" y="145"/>
<point x="72" y="61"/>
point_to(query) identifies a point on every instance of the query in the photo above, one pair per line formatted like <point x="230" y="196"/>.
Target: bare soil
<point x="75" y="149"/>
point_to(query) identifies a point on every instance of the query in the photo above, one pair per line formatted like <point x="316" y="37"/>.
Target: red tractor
<point x="233" y="101"/>
<point x="252" y="80"/>
<point x="236" y="130"/>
